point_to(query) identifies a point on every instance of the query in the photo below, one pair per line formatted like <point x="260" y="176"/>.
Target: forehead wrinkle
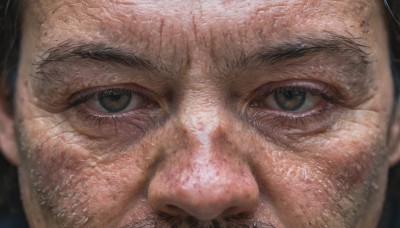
<point x="274" y="22"/>
<point x="223" y="11"/>
<point x="115" y="24"/>
<point x="155" y="30"/>
<point x="44" y="10"/>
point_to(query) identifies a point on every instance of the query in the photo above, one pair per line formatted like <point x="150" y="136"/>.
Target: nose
<point x="205" y="191"/>
<point x="204" y="183"/>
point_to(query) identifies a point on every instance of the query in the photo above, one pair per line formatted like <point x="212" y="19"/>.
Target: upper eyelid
<point x="315" y="86"/>
<point x="326" y="95"/>
<point x="78" y="98"/>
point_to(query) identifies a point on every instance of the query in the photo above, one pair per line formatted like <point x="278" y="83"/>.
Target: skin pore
<point x="203" y="113"/>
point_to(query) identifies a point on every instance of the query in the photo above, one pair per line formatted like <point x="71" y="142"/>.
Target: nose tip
<point x="204" y="198"/>
<point x="207" y="205"/>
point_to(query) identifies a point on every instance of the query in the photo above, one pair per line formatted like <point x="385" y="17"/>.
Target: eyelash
<point x="323" y="92"/>
<point x="90" y="95"/>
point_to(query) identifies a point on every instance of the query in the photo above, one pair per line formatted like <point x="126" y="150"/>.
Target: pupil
<point x="113" y="101"/>
<point x="290" y="99"/>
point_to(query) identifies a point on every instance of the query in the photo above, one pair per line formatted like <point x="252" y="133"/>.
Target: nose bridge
<point x="201" y="122"/>
<point x="206" y="158"/>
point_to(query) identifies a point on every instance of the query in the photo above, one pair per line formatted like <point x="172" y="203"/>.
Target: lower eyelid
<point x="273" y="121"/>
<point x="99" y="125"/>
<point x="279" y="128"/>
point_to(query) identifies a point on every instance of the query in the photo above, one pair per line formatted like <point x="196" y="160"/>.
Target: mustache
<point x="168" y="221"/>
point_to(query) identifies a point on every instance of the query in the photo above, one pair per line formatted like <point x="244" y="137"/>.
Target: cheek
<point x="77" y="187"/>
<point x="327" y="183"/>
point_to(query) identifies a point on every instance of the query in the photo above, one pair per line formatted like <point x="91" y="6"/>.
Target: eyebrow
<point x="330" y="44"/>
<point x="100" y="52"/>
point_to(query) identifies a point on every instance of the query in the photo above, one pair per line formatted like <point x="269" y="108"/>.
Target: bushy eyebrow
<point x="98" y="51"/>
<point x="329" y="44"/>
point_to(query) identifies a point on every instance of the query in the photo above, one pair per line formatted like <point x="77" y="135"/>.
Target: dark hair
<point x="393" y="12"/>
<point x="10" y="203"/>
<point x="390" y="215"/>
<point x="9" y="49"/>
<point x="9" y="46"/>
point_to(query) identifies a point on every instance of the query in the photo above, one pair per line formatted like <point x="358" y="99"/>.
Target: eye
<point x="291" y="99"/>
<point x="114" y="101"/>
<point x="107" y="111"/>
<point x="293" y="107"/>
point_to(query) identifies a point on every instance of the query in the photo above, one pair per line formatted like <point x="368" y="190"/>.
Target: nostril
<point x="173" y="210"/>
<point x="232" y="210"/>
<point x="176" y="211"/>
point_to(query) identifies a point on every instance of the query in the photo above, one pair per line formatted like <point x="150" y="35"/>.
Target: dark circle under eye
<point x="114" y="101"/>
<point x="290" y="99"/>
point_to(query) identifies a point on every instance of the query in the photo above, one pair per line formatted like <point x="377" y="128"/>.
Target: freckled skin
<point x="204" y="160"/>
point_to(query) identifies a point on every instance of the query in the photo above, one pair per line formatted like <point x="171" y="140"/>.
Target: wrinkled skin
<point x="202" y="142"/>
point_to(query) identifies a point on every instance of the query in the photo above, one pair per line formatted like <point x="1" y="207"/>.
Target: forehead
<point x="202" y="18"/>
<point x="239" y="10"/>
<point x="180" y="33"/>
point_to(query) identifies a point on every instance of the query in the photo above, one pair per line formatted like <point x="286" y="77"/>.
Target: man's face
<point x="220" y="113"/>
